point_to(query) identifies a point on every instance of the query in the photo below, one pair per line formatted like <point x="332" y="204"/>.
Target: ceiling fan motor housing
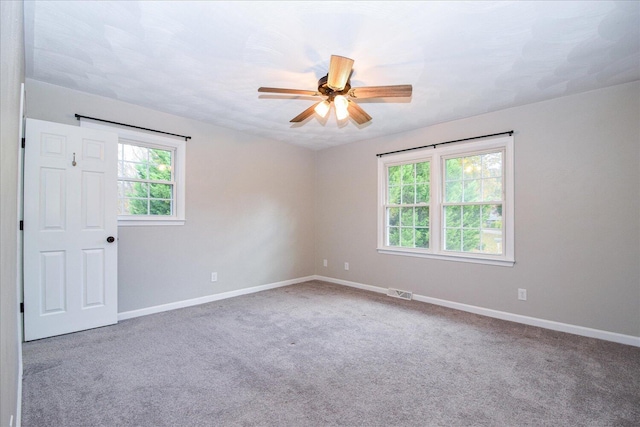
<point x="324" y="89"/>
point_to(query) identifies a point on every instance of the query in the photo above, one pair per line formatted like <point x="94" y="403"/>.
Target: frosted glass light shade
<point x="322" y="108"/>
<point x="342" y="104"/>
<point x="339" y="72"/>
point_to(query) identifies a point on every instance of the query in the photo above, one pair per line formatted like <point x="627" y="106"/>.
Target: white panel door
<point x="70" y="229"/>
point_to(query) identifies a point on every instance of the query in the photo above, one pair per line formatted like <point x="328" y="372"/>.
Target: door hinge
<point x="21" y="307"/>
<point x="21" y="225"/>
<point x="23" y="142"/>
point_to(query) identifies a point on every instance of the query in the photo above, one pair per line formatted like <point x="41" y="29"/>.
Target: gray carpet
<point x="318" y="354"/>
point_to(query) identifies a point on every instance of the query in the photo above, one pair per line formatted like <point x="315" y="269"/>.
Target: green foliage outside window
<point x="150" y="196"/>
<point x="407" y="216"/>
<point x="470" y="225"/>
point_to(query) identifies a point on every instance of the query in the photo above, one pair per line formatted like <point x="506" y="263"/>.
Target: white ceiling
<point x="206" y="59"/>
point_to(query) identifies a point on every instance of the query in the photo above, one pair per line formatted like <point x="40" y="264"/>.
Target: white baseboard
<point x="532" y="321"/>
<point x="209" y="298"/>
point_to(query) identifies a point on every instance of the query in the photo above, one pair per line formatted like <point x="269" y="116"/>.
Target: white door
<point x="70" y="229"/>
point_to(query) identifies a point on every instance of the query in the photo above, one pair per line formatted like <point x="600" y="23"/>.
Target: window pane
<point x="406" y="237"/>
<point x="491" y="189"/>
<point x="160" y="165"/>
<point x="453" y="169"/>
<point x="491" y="216"/>
<point x="492" y="165"/>
<point x="135" y="207"/>
<point x="406" y="217"/>
<point x="394" y="236"/>
<point x="393" y="216"/>
<point x="472" y="191"/>
<point x="422" y="193"/>
<point x="422" y="237"/>
<point x="133" y="170"/>
<point x="408" y="194"/>
<point x="453" y="192"/>
<point x="134" y="189"/>
<point x="471" y="240"/>
<point x="422" y="217"/>
<point x="471" y="216"/>
<point x="472" y="167"/>
<point x="394" y="175"/>
<point x="161" y="191"/>
<point x="422" y="172"/>
<point x="160" y="207"/>
<point x="394" y="195"/>
<point x="134" y="153"/>
<point x="452" y="216"/>
<point x="160" y="173"/>
<point x="492" y="242"/>
<point x="453" y="239"/>
<point x="408" y="174"/>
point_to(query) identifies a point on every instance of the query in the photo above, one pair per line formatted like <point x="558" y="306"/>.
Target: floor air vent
<point x="396" y="293"/>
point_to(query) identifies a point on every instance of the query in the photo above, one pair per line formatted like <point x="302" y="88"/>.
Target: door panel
<point x="52" y="282"/>
<point x="52" y="199"/>
<point x="70" y="196"/>
<point x="92" y="202"/>
<point x="93" y="277"/>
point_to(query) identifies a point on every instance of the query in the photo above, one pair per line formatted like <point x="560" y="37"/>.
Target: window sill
<point x="459" y="258"/>
<point x="145" y="222"/>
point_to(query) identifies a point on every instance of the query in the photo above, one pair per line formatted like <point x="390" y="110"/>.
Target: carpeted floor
<point x="319" y="354"/>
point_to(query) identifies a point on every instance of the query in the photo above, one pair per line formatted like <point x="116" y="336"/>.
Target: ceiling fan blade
<point x="357" y="113"/>
<point x="381" y="91"/>
<point x="289" y="91"/>
<point x="339" y="72"/>
<point x="306" y="113"/>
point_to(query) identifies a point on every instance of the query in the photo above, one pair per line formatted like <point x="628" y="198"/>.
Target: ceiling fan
<point x="336" y="88"/>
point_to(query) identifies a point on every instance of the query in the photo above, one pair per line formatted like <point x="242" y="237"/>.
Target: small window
<point x="452" y="202"/>
<point x="146" y="183"/>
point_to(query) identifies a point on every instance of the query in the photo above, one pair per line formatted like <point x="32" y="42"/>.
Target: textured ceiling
<point x="206" y="59"/>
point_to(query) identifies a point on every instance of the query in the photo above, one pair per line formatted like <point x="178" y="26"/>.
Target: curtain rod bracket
<point x="78" y="116"/>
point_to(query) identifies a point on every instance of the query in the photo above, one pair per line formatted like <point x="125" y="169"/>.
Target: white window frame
<point x="176" y="146"/>
<point x="436" y="157"/>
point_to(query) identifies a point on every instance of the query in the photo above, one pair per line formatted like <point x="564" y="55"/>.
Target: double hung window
<point x="146" y="183"/>
<point x="451" y="202"/>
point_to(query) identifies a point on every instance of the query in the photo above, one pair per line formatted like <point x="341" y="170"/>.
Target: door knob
<point x="111" y="239"/>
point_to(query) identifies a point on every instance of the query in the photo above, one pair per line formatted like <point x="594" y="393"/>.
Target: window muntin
<point x="470" y="203"/>
<point x="145" y="180"/>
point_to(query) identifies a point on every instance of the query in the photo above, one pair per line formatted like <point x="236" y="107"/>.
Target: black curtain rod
<point x="78" y="116"/>
<point x="443" y="143"/>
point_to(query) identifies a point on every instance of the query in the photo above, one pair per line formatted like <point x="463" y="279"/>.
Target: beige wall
<point x="577" y="209"/>
<point x="11" y="77"/>
<point x="249" y="207"/>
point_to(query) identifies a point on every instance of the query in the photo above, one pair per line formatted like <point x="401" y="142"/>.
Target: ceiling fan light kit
<point x="336" y="87"/>
<point x="322" y="108"/>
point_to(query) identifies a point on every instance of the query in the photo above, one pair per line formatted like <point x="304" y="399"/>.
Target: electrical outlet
<point x="522" y="294"/>
<point x="214" y="277"/>
<point x="324" y="262"/>
<point x="346" y="265"/>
